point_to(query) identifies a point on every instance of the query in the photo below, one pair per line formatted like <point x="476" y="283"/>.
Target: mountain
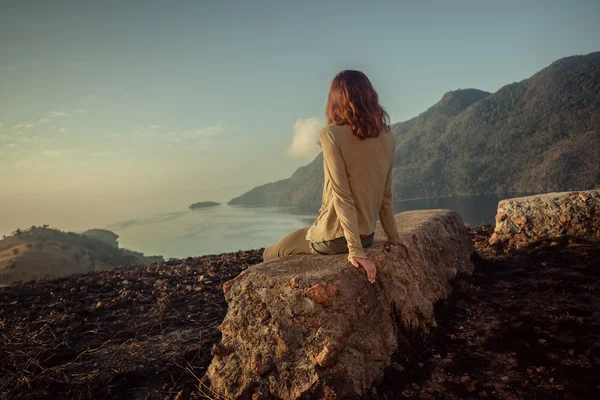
<point x="541" y="134"/>
<point x="46" y="252"/>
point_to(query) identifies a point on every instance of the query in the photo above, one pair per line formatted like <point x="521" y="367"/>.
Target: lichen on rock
<point x="311" y="326"/>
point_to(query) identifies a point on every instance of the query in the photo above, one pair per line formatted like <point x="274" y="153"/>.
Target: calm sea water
<point x="230" y="228"/>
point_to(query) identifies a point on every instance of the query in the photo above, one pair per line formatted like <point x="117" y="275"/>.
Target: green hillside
<point x="541" y="134"/>
<point x="44" y="252"/>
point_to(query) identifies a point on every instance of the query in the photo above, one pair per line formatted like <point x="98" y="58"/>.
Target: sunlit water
<point x="230" y="228"/>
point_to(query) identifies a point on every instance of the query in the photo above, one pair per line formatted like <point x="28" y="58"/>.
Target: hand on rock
<point x="367" y="265"/>
<point x="403" y="243"/>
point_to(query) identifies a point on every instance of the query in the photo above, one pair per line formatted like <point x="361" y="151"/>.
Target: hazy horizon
<point x="120" y="110"/>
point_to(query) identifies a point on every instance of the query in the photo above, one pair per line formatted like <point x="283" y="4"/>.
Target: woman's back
<point x="356" y="174"/>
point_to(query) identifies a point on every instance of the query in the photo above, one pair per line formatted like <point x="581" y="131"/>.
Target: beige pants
<point x="296" y="243"/>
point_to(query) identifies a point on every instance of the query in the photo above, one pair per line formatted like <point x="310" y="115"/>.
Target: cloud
<point x="62" y="130"/>
<point x="56" y="114"/>
<point x="52" y="153"/>
<point x="45" y="118"/>
<point x="306" y="135"/>
<point x="59" y="153"/>
<point x="212" y="130"/>
<point x="99" y="154"/>
<point x="11" y="145"/>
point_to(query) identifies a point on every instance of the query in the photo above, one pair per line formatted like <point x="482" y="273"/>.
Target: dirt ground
<point x="526" y="325"/>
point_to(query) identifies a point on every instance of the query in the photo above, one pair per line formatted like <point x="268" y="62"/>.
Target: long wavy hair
<point x="353" y="101"/>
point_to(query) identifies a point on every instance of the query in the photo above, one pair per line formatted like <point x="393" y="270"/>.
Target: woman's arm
<point x="386" y="213"/>
<point x="343" y="201"/>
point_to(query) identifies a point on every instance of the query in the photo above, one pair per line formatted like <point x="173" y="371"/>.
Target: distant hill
<point x="103" y="235"/>
<point x="46" y="252"/>
<point x="541" y="134"/>
<point x="204" y="204"/>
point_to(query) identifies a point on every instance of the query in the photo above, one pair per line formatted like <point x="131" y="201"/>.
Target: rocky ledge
<point x="314" y="327"/>
<point x="523" y="220"/>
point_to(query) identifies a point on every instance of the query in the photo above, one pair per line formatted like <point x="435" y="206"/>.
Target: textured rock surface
<point x="313" y="327"/>
<point x="524" y="220"/>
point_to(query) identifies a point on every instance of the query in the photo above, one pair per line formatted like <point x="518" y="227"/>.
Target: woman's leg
<point x="292" y="243"/>
<point x="339" y="245"/>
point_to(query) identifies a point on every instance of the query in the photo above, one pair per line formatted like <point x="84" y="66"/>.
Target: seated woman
<point x="358" y="155"/>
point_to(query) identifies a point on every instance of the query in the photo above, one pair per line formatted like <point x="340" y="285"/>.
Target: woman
<point x="358" y="155"/>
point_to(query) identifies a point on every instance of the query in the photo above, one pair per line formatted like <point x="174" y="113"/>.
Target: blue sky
<point x="108" y="102"/>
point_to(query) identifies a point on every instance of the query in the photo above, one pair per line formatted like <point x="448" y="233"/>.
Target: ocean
<point x="220" y="229"/>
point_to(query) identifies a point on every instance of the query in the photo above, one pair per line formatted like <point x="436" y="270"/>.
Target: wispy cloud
<point x="54" y="153"/>
<point x="56" y="114"/>
<point x="170" y="137"/>
<point x="208" y="131"/>
<point x="45" y="118"/>
<point x="306" y="136"/>
<point x="58" y="153"/>
<point x="44" y="159"/>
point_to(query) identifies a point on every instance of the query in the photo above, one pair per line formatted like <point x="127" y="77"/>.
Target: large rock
<point x="312" y="326"/>
<point x="524" y="220"/>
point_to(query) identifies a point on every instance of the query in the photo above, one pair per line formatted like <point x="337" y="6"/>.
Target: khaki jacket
<point x="357" y="188"/>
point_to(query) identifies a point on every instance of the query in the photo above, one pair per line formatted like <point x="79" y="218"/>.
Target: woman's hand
<point x="367" y="266"/>
<point x="403" y="243"/>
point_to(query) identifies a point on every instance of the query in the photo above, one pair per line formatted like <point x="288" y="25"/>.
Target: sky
<point x="119" y="109"/>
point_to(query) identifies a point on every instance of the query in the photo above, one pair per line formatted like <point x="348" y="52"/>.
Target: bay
<point x="220" y="229"/>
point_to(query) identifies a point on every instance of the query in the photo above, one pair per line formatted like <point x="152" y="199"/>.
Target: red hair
<point x="353" y="101"/>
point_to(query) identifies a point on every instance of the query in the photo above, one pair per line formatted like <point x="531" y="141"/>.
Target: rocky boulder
<point x="524" y="220"/>
<point x="311" y="326"/>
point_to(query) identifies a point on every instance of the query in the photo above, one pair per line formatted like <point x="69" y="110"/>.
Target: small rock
<point x="295" y="282"/>
<point x="99" y="305"/>
<point x="520" y="220"/>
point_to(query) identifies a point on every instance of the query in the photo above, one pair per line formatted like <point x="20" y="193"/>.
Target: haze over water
<point x="225" y="228"/>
